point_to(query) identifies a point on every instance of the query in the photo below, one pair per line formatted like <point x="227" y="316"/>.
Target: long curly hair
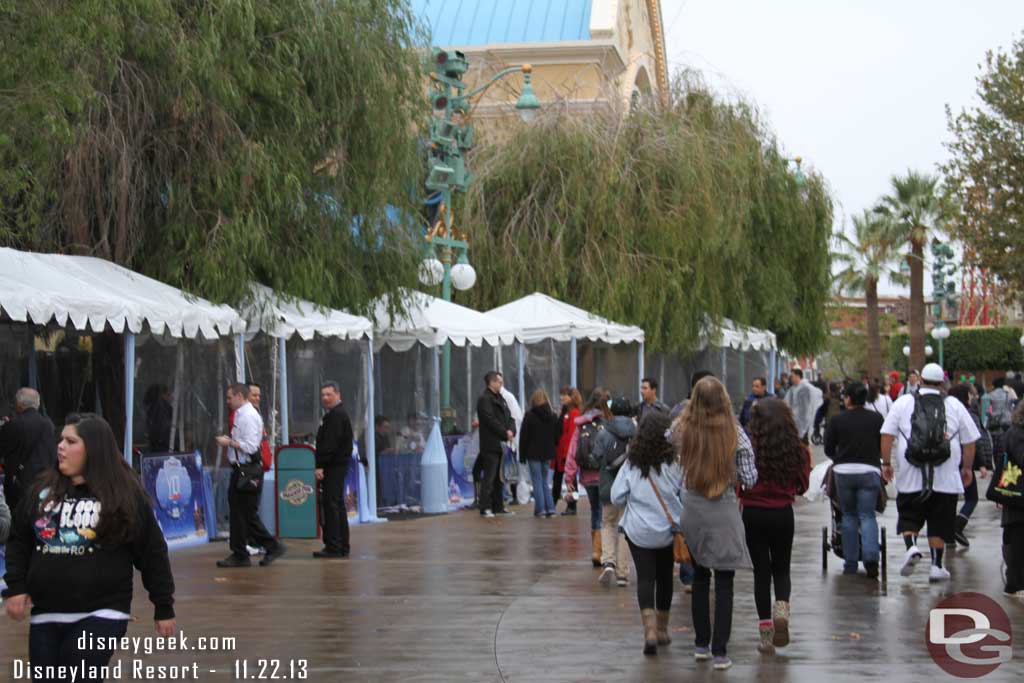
<point x="649" y="449"/>
<point x="778" y="451"/>
<point x="706" y="435"/>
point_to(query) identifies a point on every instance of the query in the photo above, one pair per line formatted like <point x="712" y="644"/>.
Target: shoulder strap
<point x="661" y="500"/>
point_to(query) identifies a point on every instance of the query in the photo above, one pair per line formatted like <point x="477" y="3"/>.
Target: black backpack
<point x="586" y="438"/>
<point x="927" y="445"/>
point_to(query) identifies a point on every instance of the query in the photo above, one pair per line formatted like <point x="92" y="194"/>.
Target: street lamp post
<point x="446" y="259"/>
<point x="943" y="290"/>
<point x="799" y="177"/>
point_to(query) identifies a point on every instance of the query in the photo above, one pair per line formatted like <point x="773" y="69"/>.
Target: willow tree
<point x="665" y="218"/>
<point x="213" y="143"/>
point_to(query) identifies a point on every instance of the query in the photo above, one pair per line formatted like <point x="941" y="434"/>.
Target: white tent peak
<point x="732" y="335"/>
<point x="282" y="315"/>
<point x="91" y="292"/>
<point x="432" y="322"/>
<point x="543" y="317"/>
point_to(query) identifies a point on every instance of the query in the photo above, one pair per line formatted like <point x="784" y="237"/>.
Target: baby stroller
<point x="832" y="536"/>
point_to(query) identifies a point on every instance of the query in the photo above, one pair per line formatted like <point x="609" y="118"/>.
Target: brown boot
<point x="663" y="637"/>
<point x="595" y="555"/>
<point x="650" y="631"/>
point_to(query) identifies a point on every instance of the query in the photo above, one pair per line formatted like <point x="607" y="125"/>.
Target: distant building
<point x="587" y="55"/>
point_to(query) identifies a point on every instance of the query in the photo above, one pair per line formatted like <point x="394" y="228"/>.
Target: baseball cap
<point x="933" y="373"/>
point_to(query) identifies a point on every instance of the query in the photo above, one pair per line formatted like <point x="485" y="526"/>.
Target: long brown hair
<point x="599" y="401"/>
<point x="778" y="451"/>
<point x="575" y="399"/>
<point x="539" y="398"/>
<point x="109" y="478"/>
<point x="706" y="434"/>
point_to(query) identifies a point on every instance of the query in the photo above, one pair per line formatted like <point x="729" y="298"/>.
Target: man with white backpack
<point x="934" y="439"/>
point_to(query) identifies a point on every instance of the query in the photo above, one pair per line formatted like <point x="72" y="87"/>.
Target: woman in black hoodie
<point x="537" y="443"/>
<point x="73" y="549"/>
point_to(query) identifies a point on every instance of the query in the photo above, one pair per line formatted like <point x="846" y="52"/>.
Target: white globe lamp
<point x="906" y="351"/>
<point x="431" y="271"/>
<point x="463" y="274"/>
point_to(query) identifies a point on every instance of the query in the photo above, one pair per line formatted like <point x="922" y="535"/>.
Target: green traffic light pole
<point x="447" y="174"/>
<point x="942" y="289"/>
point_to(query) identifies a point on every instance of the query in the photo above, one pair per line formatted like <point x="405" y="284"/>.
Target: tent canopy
<point x="542" y="317"/>
<point x="432" y="322"/>
<point x="735" y="336"/>
<point x="92" y="292"/>
<point x="281" y="316"/>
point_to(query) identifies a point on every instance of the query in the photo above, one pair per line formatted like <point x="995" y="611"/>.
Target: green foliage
<point x="661" y="218"/>
<point x="970" y="349"/>
<point x="212" y="143"/>
<point x="984" y="178"/>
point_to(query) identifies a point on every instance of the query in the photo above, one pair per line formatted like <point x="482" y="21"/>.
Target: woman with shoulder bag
<point x="580" y="459"/>
<point x="1007" y="489"/>
<point x="707" y="434"/>
<point x="648" y="486"/>
<point x="572" y="406"/>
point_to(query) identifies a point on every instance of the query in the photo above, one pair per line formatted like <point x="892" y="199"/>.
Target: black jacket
<point x="56" y="558"/>
<point x="538" y="439"/>
<point x="855" y="437"/>
<point x="334" y="439"/>
<point x="27" y="447"/>
<point x="1013" y="447"/>
<point x="495" y="420"/>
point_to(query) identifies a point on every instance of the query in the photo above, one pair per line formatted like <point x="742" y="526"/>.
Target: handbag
<point x="1006" y="487"/>
<point x="250" y="476"/>
<point x="680" y="553"/>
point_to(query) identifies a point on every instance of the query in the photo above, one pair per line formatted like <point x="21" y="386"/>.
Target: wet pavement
<point x="459" y="598"/>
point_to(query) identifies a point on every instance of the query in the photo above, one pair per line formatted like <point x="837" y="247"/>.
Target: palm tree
<point x="866" y="259"/>
<point x="914" y="213"/>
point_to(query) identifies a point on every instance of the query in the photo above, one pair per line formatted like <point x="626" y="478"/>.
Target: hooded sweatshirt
<point x="56" y="558"/>
<point x="587" y="477"/>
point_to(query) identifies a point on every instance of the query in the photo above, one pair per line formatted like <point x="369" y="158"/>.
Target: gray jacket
<point x="619" y="428"/>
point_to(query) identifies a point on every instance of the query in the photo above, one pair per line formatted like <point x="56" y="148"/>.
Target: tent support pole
<point x="572" y="362"/>
<point x="640" y="374"/>
<point x="282" y="368"/>
<point x="33" y="365"/>
<point x="129" y="392"/>
<point x="521" y="357"/>
<point x="773" y="366"/>
<point x="371" y="435"/>
<point x="240" y="358"/>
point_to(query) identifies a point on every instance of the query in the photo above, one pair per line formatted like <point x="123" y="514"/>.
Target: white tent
<point x="282" y="316"/>
<point x="433" y="322"/>
<point x="741" y="337"/>
<point x="542" y="317"/>
<point x="91" y="292"/>
<point x="546" y="319"/>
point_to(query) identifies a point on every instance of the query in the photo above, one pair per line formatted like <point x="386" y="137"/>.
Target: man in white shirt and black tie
<point x="243" y="447"/>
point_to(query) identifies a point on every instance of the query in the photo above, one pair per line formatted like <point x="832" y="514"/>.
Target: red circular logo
<point x="969" y="635"/>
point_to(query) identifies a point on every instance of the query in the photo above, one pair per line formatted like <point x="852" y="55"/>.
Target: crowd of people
<point x="694" y="484"/>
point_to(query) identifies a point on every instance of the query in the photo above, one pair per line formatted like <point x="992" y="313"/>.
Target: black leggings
<point x="653" y="576"/>
<point x="1013" y="555"/>
<point x="556" y="491"/>
<point x="701" y="609"/>
<point x="770" y="541"/>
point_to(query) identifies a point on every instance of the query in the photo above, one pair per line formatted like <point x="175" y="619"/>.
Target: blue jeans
<point x="57" y="644"/>
<point x="970" y="498"/>
<point x="543" y="502"/>
<point x="594" y="496"/>
<point x="858" y="495"/>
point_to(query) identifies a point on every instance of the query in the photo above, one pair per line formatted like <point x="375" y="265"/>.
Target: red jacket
<point x="773" y="495"/>
<point x="568" y="431"/>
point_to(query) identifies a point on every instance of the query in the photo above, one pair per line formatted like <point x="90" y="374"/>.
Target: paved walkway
<point x="458" y="598"/>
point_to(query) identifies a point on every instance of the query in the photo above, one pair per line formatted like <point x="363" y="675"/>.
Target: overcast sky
<point x="855" y="87"/>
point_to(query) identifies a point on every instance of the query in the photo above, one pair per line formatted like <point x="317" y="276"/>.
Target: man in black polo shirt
<point x="853" y="442"/>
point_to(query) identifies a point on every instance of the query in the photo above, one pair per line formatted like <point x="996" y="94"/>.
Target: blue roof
<point x="483" y="22"/>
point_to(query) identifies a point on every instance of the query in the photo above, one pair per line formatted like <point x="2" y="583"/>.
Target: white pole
<point x="282" y="368"/>
<point x="129" y="391"/>
<point x="371" y="435"/>
<point x="640" y="373"/>
<point x="521" y="353"/>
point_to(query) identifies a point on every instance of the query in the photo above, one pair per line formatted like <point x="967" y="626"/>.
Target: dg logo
<point x="969" y="635"/>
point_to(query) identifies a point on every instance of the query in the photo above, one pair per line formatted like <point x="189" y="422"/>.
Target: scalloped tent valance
<point x="735" y="336"/>
<point x="93" y="293"/>
<point x="432" y="322"/>
<point x="542" y="317"/>
<point x="282" y="316"/>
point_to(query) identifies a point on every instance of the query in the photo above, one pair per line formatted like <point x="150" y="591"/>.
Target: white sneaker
<point x="938" y="574"/>
<point x="909" y="560"/>
<point x="607" y="575"/>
